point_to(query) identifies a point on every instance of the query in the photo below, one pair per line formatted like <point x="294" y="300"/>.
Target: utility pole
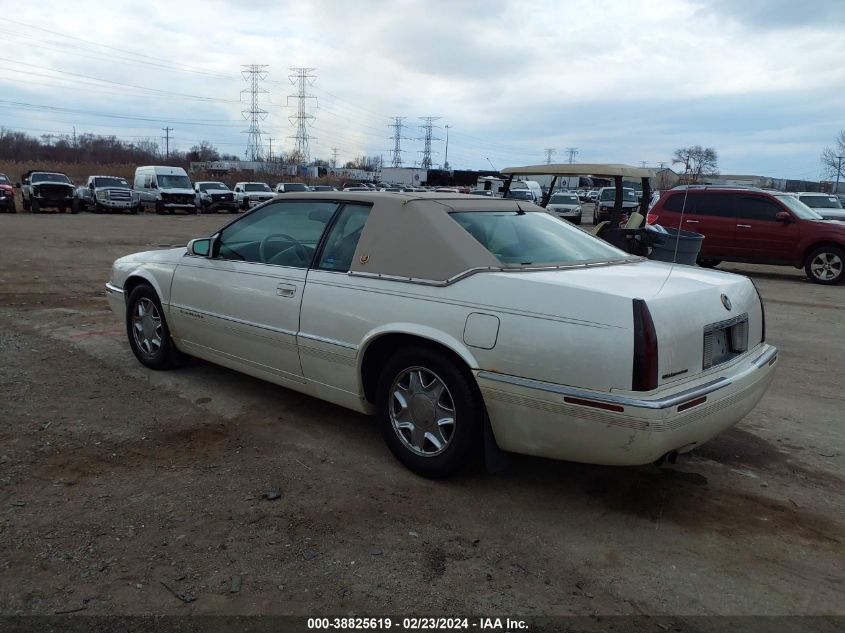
<point x="550" y="151"/>
<point x="302" y="78"/>
<point x="74" y="137"/>
<point x="643" y="163"/>
<point x="334" y="157"/>
<point x="167" y="131"/>
<point x="662" y="164"/>
<point x="838" y="172"/>
<point x="428" y="130"/>
<point x="270" y="150"/>
<point x="397" y="137"/>
<point x="253" y="74"/>
<point x="573" y="152"/>
<point x="446" y="158"/>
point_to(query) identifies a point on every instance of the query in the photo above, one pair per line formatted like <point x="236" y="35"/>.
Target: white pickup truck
<point x="106" y="193"/>
<point x="249" y="194"/>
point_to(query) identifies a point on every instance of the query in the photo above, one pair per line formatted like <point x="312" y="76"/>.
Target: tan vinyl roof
<point x="580" y="169"/>
<point x="400" y="222"/>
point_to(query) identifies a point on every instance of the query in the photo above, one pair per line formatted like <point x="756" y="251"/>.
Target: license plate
<point x="725" y="340"/>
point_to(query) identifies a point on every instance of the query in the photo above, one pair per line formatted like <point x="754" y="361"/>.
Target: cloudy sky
<point x="761" y="81"/>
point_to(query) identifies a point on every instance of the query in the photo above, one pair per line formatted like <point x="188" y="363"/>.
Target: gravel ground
<point x="125" y="491"/>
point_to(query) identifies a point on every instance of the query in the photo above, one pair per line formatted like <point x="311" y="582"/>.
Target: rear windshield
<point x="564" y="198"/>
<point x="517" y="238"/>
<point x="628" y="195"/>
<point x="799" y="208"/>
<point x="521" y="194"/>
<point x="821" y="202"/>
<point x="295" y="186"/>
<point x="257" y="186"/>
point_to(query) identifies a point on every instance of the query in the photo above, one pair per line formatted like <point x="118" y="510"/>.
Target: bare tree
<point x="697" y="161"/>
<point x="830" y="162"/>
<point x="203" y="152"/>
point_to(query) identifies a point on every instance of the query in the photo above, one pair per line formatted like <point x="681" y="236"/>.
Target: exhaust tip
<point x="671" y="457"/>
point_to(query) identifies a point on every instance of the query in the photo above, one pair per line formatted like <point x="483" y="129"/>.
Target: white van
<point x="165" y="189"/>
<point x="531" y="185"/>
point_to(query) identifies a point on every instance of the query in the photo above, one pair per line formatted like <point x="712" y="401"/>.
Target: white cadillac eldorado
<point x="452" y="318"/>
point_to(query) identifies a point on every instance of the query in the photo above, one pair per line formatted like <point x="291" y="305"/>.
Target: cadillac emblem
<point x="726" y="302"/>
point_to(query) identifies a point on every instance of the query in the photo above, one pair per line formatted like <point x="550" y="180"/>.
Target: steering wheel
<point x="301" y="250"/>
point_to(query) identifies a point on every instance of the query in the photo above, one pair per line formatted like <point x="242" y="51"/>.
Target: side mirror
<point x="153" y="185"/>
<point x="783" y="216"/>
<point x="200" y="247"/>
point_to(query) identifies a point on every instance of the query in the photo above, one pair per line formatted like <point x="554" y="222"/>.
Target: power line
<point x="254" y="74"/>
<point x="301" y="79"/>
<point x="428" y="130"/>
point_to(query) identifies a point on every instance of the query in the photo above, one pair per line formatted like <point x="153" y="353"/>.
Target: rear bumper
<point x="549" y="420"/>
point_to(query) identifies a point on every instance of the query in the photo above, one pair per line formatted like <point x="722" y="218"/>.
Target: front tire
<point x="35" y="206"/>
<point x="146" y="327"/>
<point x="429" y="412"/>
<point x="826" y="265"/>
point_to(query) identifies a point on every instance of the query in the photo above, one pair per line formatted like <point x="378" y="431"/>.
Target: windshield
<point x="322" y="188"/>
<point x="167" y="181"/>
<point x="799" y="208"/>
<point x="563" y="198"/>
<point x="257" y="186"/>
<point x="3" y="180"/>
<point x="111" y="182"/>
<point x="295" y="186"/>
<point x="821" y="202"/>
<point x="213" y="185"/>
<point x="42" y="177"/>
<point x="517" y="238"/>
<point x="521" y="194"/>
<point x="628" y="195"/>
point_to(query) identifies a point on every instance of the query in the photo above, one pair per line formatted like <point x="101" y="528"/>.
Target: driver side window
<point x="280" y="234"/>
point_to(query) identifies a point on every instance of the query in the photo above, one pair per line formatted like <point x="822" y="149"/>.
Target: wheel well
<point x="133" y="282"/>
<point x="813" y="247"/>
<point x="381" y="349"/>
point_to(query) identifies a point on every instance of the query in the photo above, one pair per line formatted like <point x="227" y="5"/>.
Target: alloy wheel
<point x="422" y="411"/>
<point x="146" y="327"/>
<point x="826" y="266"/>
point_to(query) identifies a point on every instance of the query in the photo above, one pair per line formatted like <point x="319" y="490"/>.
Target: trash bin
<point x="633" y="241"/>
<point x="663" y="245"/>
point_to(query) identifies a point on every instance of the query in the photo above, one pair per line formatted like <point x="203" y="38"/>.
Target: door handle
<point x="744" y="226"/>
<point x="286" y="290"/>
<point x="692" y="221"/>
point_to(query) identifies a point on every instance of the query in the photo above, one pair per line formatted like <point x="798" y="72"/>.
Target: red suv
<point x="755" y="226"/>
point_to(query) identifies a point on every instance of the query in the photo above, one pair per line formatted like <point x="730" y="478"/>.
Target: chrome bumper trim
<point x="766" y="358"/>
<point x="112" y="289"/>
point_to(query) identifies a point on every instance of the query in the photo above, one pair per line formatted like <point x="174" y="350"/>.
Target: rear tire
<point x="826" y="265"/>
<point x="146" y="328"/>
<point x="159" y="207"/>
<point x="708" y="263"/>
<point x="429" y="412"/>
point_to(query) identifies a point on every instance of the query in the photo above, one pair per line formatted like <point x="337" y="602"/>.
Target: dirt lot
<point x="122" y="489"/>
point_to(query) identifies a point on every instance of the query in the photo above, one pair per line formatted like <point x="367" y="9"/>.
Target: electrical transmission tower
<point x="397" y="137"/>
<point x="550" y="151"/>
<point x="301" y="78"/>
<point x="573" y="152"/>
<point x="254" y="74"/>
<point x="334" y="157"/>
<point x="428" y="131"/>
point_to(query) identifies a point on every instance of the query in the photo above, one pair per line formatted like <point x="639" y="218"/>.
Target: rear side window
<point x="756" y="208"/>
<point x="676" y="203"/>
<point x="343" y="238"/>
<point x="717" y="204"/>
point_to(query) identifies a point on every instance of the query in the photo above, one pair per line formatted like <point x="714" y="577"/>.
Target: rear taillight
<point x="645" y="374"/>
<point x="651" y="218"/>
